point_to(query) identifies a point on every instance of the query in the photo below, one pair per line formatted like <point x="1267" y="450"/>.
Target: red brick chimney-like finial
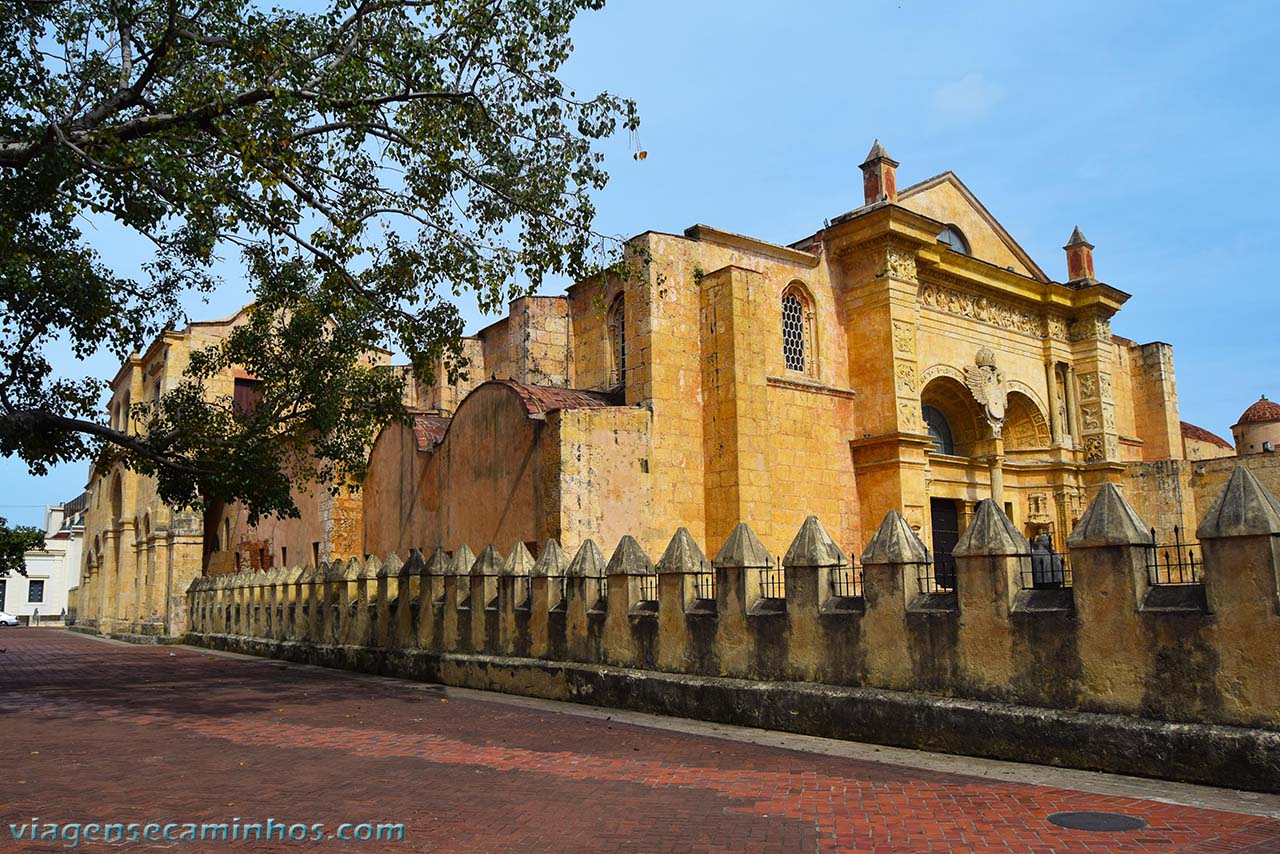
<point x="1079" y="257"/>
<point x="879" y="176"/>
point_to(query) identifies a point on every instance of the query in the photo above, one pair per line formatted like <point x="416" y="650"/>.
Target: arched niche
<point x="951" y="398"/>
<point x="1025" y="425"/>
<point x="117" y="499"/>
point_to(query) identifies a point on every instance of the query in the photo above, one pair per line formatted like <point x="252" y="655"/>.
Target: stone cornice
<point x="883" y="220"/>
<point x="811" y="387"/>
<point x="707" y="234"/>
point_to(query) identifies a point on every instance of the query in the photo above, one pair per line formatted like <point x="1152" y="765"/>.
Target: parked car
<point x="8" y="619"/>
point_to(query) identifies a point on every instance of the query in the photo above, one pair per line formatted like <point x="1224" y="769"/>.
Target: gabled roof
<point x="1199" y="434"/>
<point x="951" y="178"/>
<point x="429" y="428"/>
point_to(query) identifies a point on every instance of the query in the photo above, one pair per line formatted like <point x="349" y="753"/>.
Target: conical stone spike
<point x="439" y="562"/>
<point x="991" y="533"/>
<point x="894" y="543"/>
<point x="551" y="562"/>
<point x="488" y="563"/>
<point x="682" y="555"/>
<point x="372" y="567"/>
<point x="812" y="546"/>
<point x="391" y="567"/>
<point x="519" y="562"/>
<point x="743" y="549"/>
<point x="1244" y="508"/>
<point x="1109" y="520"/>
<point x="588" y="562"/>
<point x="629" y="559"/>
<point x="461" y="562"/>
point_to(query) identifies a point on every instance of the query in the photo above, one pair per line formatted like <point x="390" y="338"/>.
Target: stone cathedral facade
<point x="908" y="355"/>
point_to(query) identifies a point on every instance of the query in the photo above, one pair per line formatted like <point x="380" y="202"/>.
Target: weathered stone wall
<point x="1111" y="643"/>
<point x="1162" y="493"/>
<point x="481" y="484"/>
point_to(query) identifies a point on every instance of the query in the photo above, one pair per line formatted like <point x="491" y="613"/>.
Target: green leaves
<point x="367" y="161"/>
<point x="14" y="544"/>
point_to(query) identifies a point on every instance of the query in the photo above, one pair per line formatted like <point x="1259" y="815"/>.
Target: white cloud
<point x="965" y="100"/>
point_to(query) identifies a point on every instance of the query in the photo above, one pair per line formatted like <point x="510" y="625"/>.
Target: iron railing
<point x="773" y="581"/>
<point x="1179" y="563"/>
<point x="936" y="574"/>
<point x="648" y="588"/>
<point x="1045" y="569"/>
<point x="846" y="581"/>
<point x="704" y="583"/>
<point x="602" y="585"/>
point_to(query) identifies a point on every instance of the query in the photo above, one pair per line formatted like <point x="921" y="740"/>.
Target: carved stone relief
<point x="904" y="337"/>
<point x="900" y="264"/>
<point x="1089" y="417"/>
<point x="1057" y="327"/>
<point x="909" y="416"/>
<point x="906" y="377"/>
<point x="1089" y="386"/>
<point x="987" y="385"/>
<point x="935" y="371"/>
<point x="1094" y="449"/>
<point x="1089" y="328"/>
<point x="980" y="308"/>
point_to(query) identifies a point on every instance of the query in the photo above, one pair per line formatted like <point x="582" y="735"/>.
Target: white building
<point x="51" y="571"/>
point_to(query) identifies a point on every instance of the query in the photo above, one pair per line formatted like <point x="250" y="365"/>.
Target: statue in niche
<point x="987" y="385"/>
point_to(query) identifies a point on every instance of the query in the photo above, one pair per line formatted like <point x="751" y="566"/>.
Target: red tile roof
<point x="1262" y="412"/>
<point x="540" y="399"/>
<point x="1191" y="431"/>
<point x="429" y="429"/>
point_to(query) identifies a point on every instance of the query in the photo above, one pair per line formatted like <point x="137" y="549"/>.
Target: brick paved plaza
<point x="102" y="732"/>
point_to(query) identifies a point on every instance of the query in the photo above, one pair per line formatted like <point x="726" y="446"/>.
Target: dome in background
<point x="1263" y="412"/>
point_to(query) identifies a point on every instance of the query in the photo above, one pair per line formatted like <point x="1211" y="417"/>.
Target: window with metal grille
<point x="793" y="332"/>
<point x="618" y="340"/>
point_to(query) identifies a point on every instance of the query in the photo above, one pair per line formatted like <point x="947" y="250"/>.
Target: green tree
<point x="367" y="161"/>
<point x="15" y="542"/>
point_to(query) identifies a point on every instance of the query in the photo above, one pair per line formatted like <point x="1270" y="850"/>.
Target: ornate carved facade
<point x="940" y="366"/>
<point x="910" y="355"/>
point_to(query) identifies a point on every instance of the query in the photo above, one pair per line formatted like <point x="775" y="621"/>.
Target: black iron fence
<point x="773" y="581"/>
<point x="846" y="581"/>
<point x="704" y="583"/>
<point x="648" y="588"/>
<point x="1176" y="563"/>
<point x="1045" y="568"/>
<point x="936" y="574"/>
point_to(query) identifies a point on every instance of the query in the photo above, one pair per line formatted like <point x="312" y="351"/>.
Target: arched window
<point x="953" y="239"/>
<point x="226" y="533"/>
<point x="117" y="500"/>
<point x="797" y="331"/>
<point x="939" y="429"/>
<point x="617" y="322"/>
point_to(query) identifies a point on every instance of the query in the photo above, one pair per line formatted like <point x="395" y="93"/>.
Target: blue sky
<point x="1154" y="126"/>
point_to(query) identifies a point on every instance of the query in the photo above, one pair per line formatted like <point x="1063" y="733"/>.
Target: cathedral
<point x="908" y="355"/>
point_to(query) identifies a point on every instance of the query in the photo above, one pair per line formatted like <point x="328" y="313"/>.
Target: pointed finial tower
<point x="879" y="176"/>
<point x="1079" y="257"/>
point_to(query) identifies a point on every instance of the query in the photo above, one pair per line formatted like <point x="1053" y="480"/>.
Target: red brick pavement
<point x="100" y="732"/>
